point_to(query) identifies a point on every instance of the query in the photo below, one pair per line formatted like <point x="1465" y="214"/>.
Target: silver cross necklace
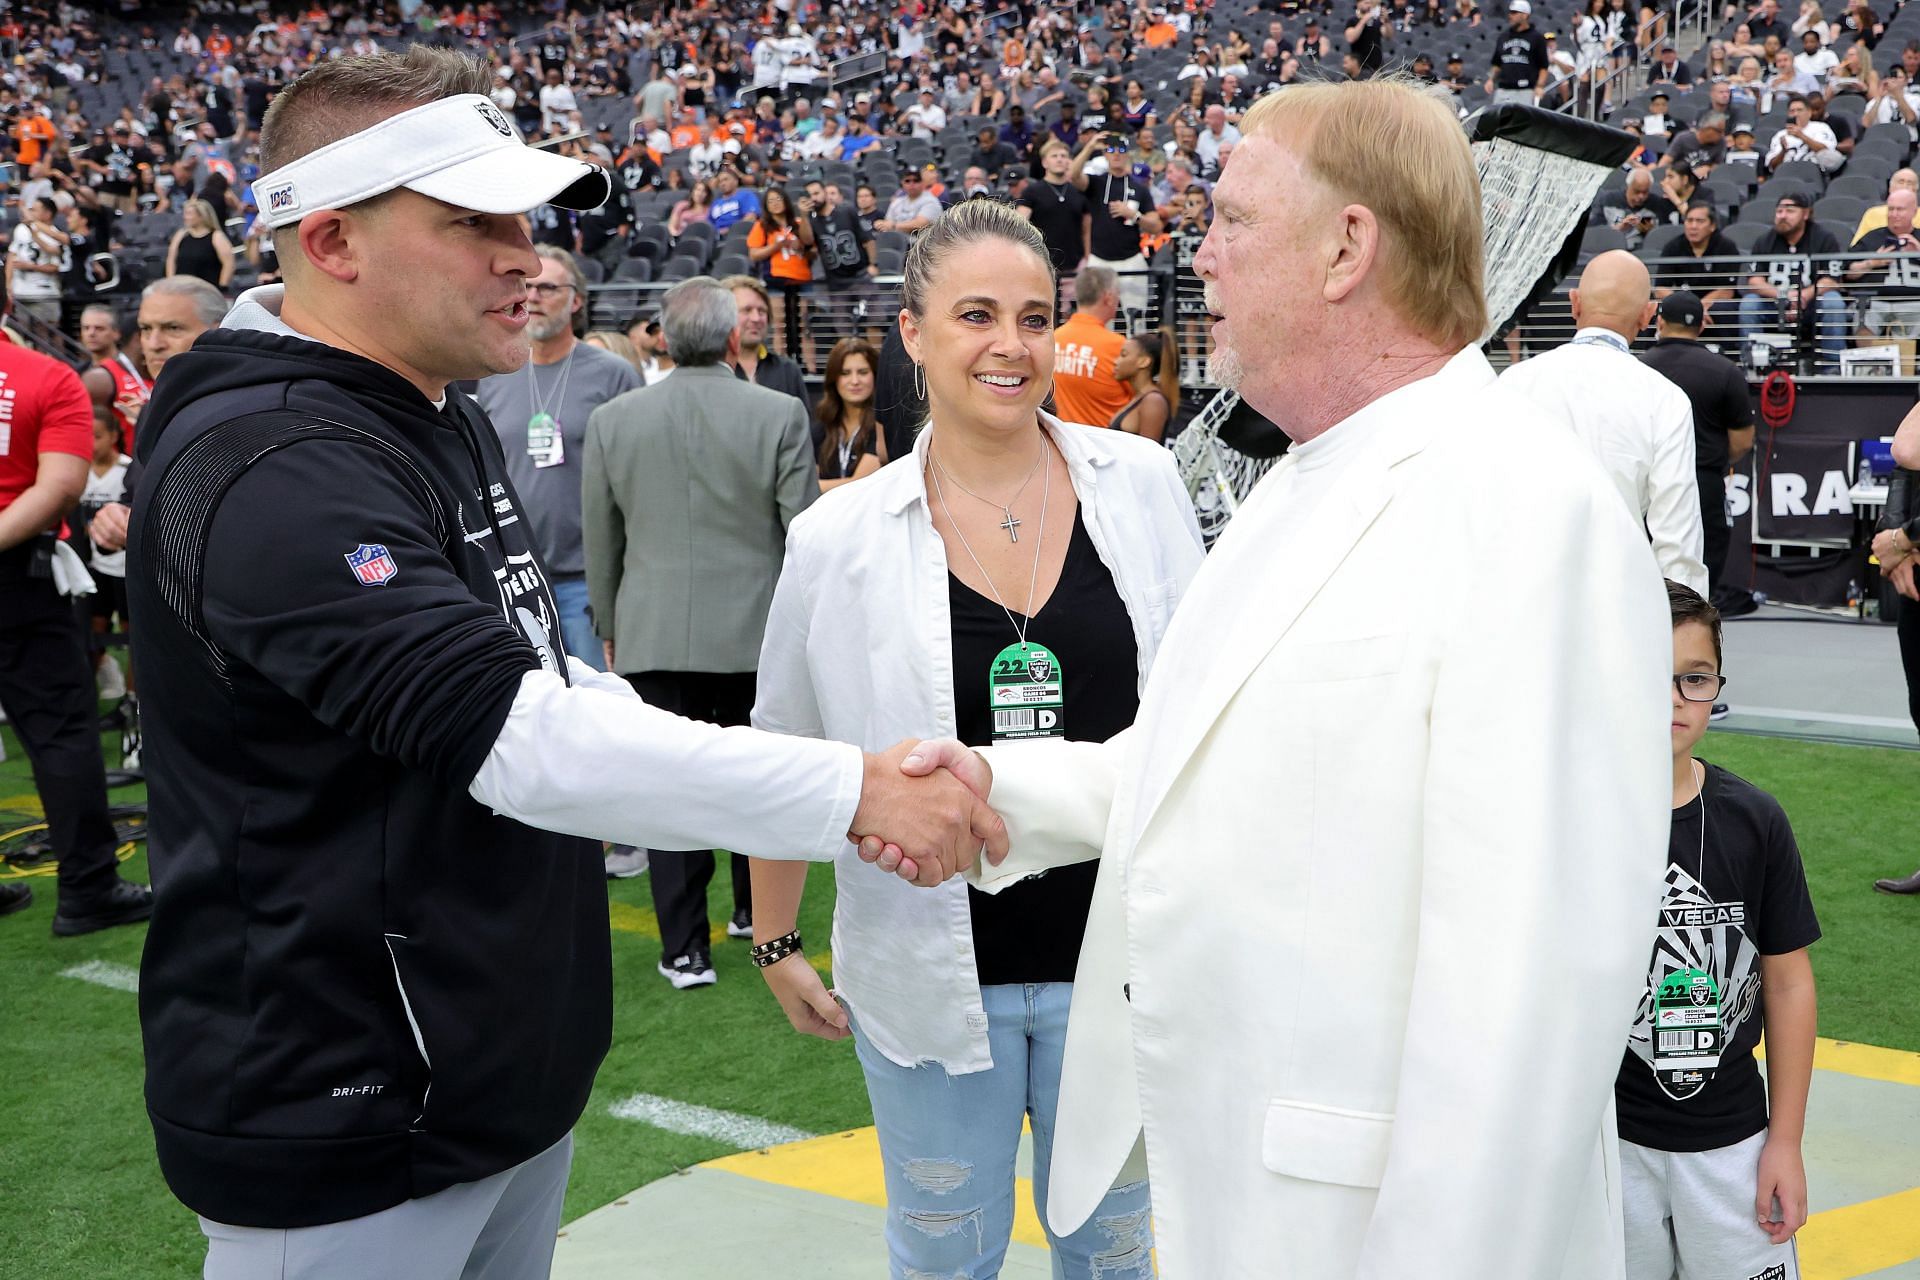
<point x="1008" y="521"/>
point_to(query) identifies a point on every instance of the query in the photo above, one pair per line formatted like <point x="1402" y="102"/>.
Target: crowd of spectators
<point x="807" y="143"/>
<point x="1772" y="180"/>
<point x="132" y="129"/>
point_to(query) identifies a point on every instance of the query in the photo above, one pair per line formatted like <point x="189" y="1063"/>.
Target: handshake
<point x="923" y="811"/>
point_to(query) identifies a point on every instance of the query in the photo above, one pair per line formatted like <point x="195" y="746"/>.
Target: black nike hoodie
<point x="360" y="985"/>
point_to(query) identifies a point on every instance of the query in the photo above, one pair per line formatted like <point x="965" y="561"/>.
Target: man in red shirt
<point x="100" y="335"/>
<point x="46" y="684"/>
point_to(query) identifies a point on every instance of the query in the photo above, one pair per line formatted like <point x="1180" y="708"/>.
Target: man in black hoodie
<point x="377" y="983"/>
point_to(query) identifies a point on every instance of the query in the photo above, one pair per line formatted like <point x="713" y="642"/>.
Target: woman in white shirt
<point x="1011" y="578"/>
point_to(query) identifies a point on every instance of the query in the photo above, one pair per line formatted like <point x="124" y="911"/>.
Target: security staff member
<point x="46" y="681"/>
<point x="1722" y="413"/>
<point x="378" y="981"/>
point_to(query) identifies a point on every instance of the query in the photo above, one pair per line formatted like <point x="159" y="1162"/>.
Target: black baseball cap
<point x="1795" y="196"/>
<point x="1682" y="308"/>
<point x="1456" y="56"/>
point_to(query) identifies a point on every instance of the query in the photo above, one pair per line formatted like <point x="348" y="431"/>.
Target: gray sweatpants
<point x="1690" y="1215"/>
<point x="499" y="1228"/>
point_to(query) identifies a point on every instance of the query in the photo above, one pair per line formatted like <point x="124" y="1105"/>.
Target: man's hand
<point x="958" y="759"/>
<point x="932" y="824"/>
<point x="1784" y="1178"/>
<point x="108" y="528"/>
<point x="809" y="1006"/>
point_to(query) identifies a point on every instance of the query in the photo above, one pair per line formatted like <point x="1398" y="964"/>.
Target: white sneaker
<point x="109" y="681"/>
<point x="624" y="862"/>
<point x="695" y="970"/>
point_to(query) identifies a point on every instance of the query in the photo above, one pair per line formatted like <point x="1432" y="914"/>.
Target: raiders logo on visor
<point x="491" y="114"/>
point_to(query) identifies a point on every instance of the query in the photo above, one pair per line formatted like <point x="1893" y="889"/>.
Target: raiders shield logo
<point x="491" y="114"/>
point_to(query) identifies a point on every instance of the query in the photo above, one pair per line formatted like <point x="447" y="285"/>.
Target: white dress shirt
<point x="859" y="648"/>
<point x="1640" y="426"/>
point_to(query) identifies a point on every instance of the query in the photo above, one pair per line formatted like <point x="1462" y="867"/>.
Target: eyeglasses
<point x="548" y="290"/>
<point x="1699" y="686"/>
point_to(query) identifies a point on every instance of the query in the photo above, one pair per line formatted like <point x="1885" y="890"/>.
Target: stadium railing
<point x="1827" y="343"/>
<point x="1771" y="341"/>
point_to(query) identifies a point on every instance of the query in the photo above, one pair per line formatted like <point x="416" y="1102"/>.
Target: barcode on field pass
<point x="1671" y="1040"/>
<point x="1013" y="721"/>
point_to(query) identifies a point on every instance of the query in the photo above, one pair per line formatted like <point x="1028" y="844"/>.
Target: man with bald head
<point x="1634" y="211"/>
<point x="1638" y="424"/>
<point x="1876" y="217"/>
<point x="1217" y="134"/>
<point x="1894" y="310"/>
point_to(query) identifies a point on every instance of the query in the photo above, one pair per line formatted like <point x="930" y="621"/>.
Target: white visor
<point x="461" y="151"/>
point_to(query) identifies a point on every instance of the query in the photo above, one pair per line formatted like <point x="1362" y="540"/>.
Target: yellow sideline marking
<point x="1861" y="1238"/>
<point x="1837" y="1244"/>
<point x="633" y="920"/>
<point x="847" y="1166"/>
<point x="638" y="920"/>
<point x="29" y="804"/>
<point x="1867" y="1061"/>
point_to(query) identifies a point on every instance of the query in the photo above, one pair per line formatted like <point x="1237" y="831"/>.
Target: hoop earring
<point x="919" y="382"/>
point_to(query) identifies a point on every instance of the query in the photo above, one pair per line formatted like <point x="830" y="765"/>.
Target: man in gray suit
<point x="689" y="487"/>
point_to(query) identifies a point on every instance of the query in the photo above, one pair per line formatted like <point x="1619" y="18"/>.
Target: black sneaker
<point x="125" y="903"/>
<point x="741" y="926"/>
<point x="14" y="897"/>
<point x="1720" y="711"/>
<point x="694" y="970"/>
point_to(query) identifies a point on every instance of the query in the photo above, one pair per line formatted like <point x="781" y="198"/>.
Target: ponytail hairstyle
<point x="1163" y="350"/>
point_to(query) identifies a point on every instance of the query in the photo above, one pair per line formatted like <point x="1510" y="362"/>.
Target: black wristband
<point x="771" y="953"/>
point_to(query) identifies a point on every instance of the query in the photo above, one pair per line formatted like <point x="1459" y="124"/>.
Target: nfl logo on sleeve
<point x="373" y="564"/>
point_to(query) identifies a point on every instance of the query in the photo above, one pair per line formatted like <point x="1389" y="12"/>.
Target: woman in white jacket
<point x="1011" y="578"/>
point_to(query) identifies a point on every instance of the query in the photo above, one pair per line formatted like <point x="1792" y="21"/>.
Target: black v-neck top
<point x="1031" y="931"/>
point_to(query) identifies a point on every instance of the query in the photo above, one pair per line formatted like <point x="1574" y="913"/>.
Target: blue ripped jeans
<point x="949" y="1144"/>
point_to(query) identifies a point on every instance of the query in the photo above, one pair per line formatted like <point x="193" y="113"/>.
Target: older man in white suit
<point x="1382" y="851"/>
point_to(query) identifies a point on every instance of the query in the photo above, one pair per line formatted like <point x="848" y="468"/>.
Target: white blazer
<point x="859" y="648"/>
<point x="1382" y="861"/>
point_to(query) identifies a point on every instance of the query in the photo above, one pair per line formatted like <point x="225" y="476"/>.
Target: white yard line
<point x="101" y="973"/>
<point x="1824" y="717"/>
<point x="744" y="1133"/>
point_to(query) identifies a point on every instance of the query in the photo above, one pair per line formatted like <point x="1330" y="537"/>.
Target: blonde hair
<point x="618" y="343"/>
<point x="754" y="283"/>
<point x="1397" y="148"/>
<point x="205" y="209"/>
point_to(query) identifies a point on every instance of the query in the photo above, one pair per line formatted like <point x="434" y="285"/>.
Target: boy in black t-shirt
<point x="1711" y="1175"/>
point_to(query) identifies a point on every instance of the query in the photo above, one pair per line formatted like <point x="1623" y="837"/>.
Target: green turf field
<point x="80" y="1195"/>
